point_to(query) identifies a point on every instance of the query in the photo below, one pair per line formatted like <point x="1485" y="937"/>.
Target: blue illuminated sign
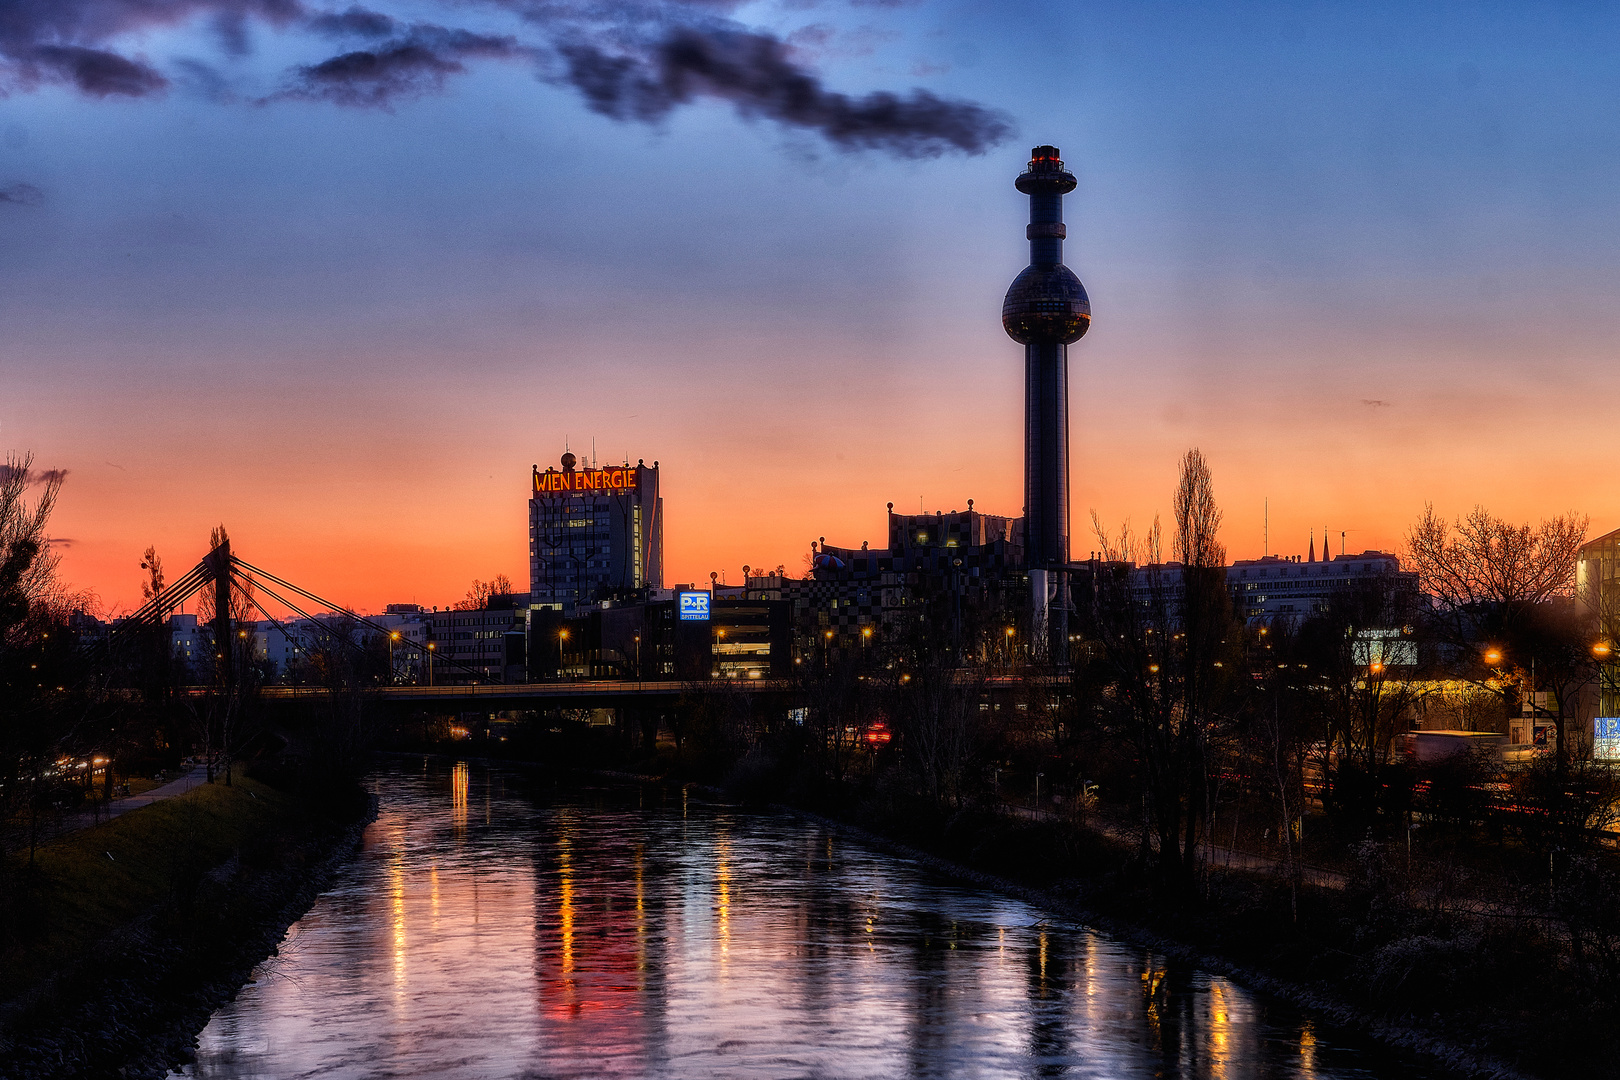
<point x="1606" y="738"/>
<point x="694" y="607"/>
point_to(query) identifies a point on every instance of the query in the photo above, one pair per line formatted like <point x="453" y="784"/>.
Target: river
<point x="502" y="923"/>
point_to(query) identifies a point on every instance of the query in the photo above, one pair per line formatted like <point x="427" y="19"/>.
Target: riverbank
<point x="1133" y="915"/>
<point x="1345" y="956"/>
<point x="131" y="933"/>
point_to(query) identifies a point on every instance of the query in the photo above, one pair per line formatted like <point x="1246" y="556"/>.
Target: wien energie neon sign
<point x="553" y="482"/>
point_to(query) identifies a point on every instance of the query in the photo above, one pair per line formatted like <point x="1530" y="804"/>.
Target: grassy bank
<point x="126" y="936"/>
<point x="88" y="885"/>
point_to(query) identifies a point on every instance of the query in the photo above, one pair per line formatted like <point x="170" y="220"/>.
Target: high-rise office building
<point x="594" y="533"/>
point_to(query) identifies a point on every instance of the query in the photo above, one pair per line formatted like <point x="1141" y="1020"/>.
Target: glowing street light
<point x="1602" y="650"/>
<point x="1493" y="656"/>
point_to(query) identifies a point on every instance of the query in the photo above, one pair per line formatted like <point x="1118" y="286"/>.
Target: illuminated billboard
<point x="694" y="607"/>
<point x="568" y="481"/>
<point x="1606" y="738"/>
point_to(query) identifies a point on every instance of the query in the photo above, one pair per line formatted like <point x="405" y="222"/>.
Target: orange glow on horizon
<point x="364" y="532"/>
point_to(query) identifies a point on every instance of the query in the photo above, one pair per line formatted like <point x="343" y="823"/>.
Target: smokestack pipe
<point x="1046" y="310"/>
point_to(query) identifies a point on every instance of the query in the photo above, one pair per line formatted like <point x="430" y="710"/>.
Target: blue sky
<point x="348" y="331"/>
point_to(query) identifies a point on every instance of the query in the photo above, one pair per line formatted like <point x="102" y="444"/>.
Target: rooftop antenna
<point x="1265" y="530"/>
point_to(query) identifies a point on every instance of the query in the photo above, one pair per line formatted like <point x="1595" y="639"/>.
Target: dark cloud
<point x="22" y="195"/>
<point x="68" y="41"/>
<point x="630" y="59"/>
<point x="404" y="68"/>
<point x="231" y="27"/>
<point x="60" y="541"/>
<point x="97" y="72"/>
<point x="754" y="73"/>
<point x="31" y="476"/>
<point x="356" y="22"/>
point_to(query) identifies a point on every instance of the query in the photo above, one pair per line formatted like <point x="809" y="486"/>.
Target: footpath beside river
<point x="126" y="935"/>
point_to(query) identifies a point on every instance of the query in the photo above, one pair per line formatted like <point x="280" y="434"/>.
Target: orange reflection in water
<point x="396" y="911"/>
<point x="458" y="797"/>
<point x="565" y="901"/>
<point x="722" y="897"/>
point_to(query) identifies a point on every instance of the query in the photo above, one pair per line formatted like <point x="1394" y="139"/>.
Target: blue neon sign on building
<point x="694" y="607"/>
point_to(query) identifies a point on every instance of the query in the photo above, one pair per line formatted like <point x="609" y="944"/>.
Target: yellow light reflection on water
<point x="1307" y="1052"/>
<point x="641" y="920"/>
<point x="722" y="880"/>
<point x="565" y="897"/>
<point x="459" y="776"/>
<point x="1220" y="1028"/>
<point x="396" y="906"/>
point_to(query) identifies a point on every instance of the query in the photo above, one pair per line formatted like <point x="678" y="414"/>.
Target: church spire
<point x="1312" y="557"/>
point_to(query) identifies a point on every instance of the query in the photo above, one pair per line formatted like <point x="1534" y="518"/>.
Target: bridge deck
<point x="550" y="691"/>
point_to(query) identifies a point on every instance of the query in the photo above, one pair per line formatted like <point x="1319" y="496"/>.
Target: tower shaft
<point x="1046" y="454"/>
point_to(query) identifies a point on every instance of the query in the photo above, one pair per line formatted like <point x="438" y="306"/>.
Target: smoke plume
<point x="755" y="74"/>
<point x="405" y="67"/>
<point x="22" y="195"/>
<point x="633" y="60"/>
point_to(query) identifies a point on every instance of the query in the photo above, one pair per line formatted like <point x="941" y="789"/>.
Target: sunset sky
<point x="1363" y="256"/>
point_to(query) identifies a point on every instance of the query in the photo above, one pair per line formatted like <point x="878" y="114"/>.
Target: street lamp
<point x="1602" y="650"/>
<point x="393" y="637"/>
<point x="1493" y="656"/>
<point x="866" y="636"/>
<point x="431" y="647"/>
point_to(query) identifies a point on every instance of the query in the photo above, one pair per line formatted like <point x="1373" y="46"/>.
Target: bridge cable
<point x="169" y="598"/>
<point x="254" y="570"/>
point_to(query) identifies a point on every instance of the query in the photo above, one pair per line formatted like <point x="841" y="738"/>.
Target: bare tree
<point x="481" y="593"/>
<point x="36" y="721"/>
<point x="1488" y="560"/>
<point x="1168" y="640"/>
<point x="1489" y="580"/>
<point x="27" y="564"/>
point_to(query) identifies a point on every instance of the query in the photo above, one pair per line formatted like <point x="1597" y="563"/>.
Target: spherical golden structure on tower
<point x="1046" y="304"/>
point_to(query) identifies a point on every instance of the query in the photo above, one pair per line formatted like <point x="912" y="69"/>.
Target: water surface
<point x="502" y="924"/>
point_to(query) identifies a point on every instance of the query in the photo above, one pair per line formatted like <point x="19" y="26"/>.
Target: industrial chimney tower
<point x="1046" y="310"/>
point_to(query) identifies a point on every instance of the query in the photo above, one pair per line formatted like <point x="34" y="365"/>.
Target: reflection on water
<point x="630" y="933"/>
